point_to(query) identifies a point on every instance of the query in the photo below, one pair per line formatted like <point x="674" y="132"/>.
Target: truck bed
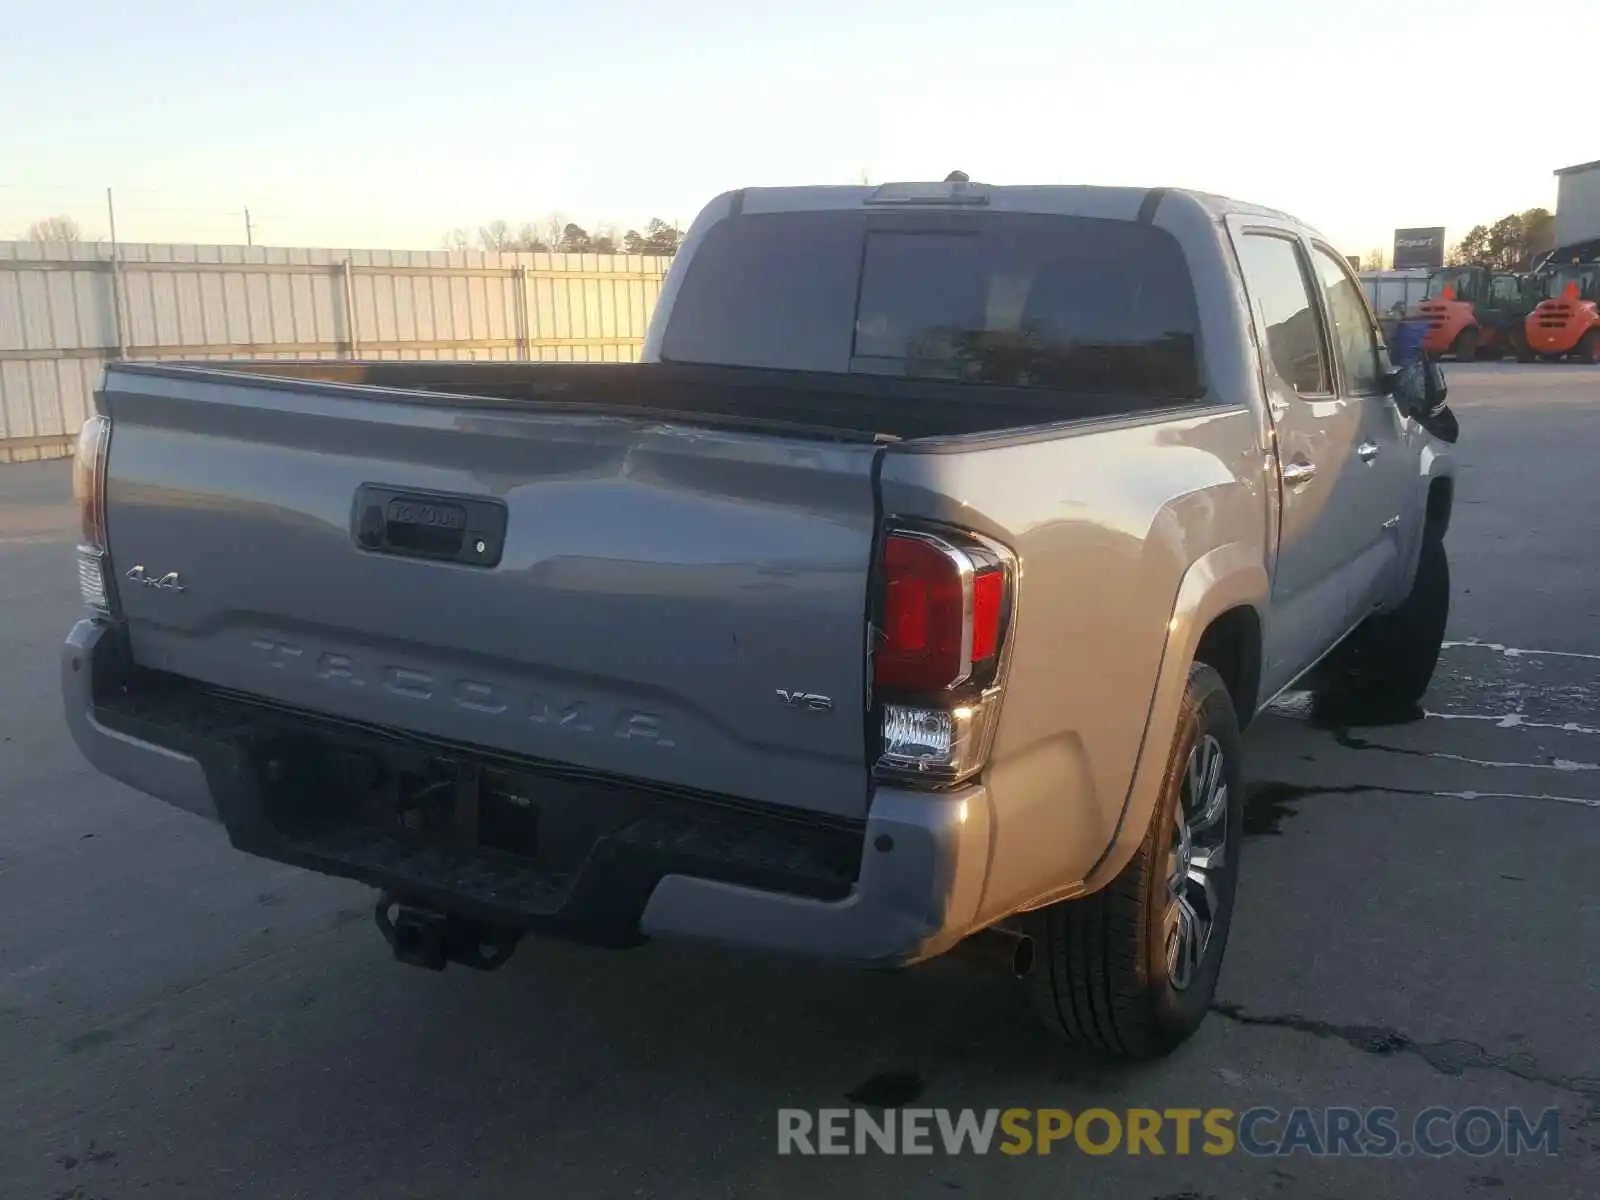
<point x="853" y="407"/>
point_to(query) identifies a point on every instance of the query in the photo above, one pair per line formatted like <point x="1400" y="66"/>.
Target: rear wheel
<point x="1589" y="347"/>
<point x="1130" y="971"/>
<point x="1519" y="345"/>
<point x="1466" y="346"/>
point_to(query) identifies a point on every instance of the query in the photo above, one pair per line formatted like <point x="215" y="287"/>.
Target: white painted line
<point x="1514" y="721"/>
<point x="31" y="539"/>
<point x="1515" y="652"/>
<point x="1582" y="801"/>
<point x="1560" y="764"/>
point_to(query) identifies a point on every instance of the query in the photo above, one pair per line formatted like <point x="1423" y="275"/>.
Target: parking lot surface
<point x="1418" y="926"/>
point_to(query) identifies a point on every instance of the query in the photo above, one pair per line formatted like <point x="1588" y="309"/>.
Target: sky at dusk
<point x="360" y="124"/>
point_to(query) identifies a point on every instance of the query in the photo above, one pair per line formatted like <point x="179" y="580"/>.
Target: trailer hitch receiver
<point x="425" y="937"/>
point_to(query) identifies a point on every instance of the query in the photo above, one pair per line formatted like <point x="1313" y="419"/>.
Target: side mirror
<point x="1416" y="382"/>
<point x="1418" y="387"/>
<point x="1420" y="391"/>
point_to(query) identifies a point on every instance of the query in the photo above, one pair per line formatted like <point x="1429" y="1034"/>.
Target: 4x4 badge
<point x="166" y="583"/>
<point x="808" y="701"/>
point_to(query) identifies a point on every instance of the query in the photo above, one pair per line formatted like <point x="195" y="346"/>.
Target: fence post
<point x="519" y="310"/>
<point x="351" y="333"/>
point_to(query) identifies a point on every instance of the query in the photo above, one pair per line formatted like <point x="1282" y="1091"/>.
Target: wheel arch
<point x="1222" y="594"/>
<point x="1231" y="644"/>
<point x="1440" y="503"/>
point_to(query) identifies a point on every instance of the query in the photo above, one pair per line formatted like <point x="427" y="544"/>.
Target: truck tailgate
<point x="660" y="589"/>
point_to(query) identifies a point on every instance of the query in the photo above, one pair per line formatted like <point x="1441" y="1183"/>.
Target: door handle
<point x="1367" y="451"/>
<point x="1297" y="473"/>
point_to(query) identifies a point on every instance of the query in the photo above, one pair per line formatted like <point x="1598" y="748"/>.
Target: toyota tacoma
<point x="909" y="596"/>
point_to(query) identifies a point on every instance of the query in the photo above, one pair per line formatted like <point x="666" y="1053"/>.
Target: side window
<point x="1506" y="289"/>
<point x="1354" y="340"/>
<point x="1284" y="312"/>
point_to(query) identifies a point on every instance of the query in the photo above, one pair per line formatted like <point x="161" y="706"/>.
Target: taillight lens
<point x="88" y="479"/>
<point x="88" y="488"/>
<point x="943" y="607"/>
<point x="927" y="589"/>
<point x="946" y="610"/>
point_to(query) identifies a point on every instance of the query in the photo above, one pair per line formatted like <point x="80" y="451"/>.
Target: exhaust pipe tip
<point x="998" y="949"/>
<point x="1022" y="959"/>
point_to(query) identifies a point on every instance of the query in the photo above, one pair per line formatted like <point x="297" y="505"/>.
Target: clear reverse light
<point x="938" y="745"/>
<point x="92" y="579"/>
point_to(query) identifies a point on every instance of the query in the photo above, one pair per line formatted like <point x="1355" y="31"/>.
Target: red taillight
<point x="988" y="598"/>
<point x="943" y="608"/>
<point x="936" y="668"/>
<point x="923" y="615"/>
<point x="88" y="479"/>
<point x="89" y="488"/>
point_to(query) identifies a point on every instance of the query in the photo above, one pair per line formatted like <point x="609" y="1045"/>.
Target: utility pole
<point x="116" y="278"/>
<point x="249" y="232"/>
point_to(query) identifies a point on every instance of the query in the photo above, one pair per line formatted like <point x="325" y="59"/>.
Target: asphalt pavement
<point x="1418" y="926"/>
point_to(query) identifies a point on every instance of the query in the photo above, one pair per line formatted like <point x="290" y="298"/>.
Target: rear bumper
<point x="1554" y="337"/>
<point x="900" y="888"/>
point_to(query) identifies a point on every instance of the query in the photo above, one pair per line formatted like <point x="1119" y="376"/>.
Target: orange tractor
<point x="1471" y="309"/>
<point x="1567" y="321"/>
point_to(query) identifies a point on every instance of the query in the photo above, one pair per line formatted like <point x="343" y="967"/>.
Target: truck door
<point x="1315" y="430"/>
<point x="1380" y="469"/>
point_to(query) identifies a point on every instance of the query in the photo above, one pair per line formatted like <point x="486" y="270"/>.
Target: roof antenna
<point x="957" y="177"/>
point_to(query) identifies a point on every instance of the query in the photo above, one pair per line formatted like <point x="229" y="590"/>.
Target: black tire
<point x="1466" y="346"/>
<point x="1520" y="347"/>
<point x="1588" y="350"/>
<point x="1101" y="977"/>
<point x="1388" y="662"/>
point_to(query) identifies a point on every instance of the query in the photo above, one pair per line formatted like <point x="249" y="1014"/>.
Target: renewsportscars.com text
<point x="1261" y="1132"/>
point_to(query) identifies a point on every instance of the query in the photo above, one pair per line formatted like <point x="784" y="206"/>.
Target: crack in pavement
<point x="1452" y="1056"/>
<point x="1350" y="741"/>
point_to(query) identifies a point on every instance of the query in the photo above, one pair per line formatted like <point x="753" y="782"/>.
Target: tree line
<point x="52" y="229"/>
<point x="556" y="234"/>
<point x="1513" y="243"/>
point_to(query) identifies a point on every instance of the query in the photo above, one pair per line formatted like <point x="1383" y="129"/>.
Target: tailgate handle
<point x="435" y="525"/>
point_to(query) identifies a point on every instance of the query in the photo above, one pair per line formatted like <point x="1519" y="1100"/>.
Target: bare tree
<point x="456" y="239"/>
<point x="53" y="229"/>
<point x="529" y="237"/>
<point x="1374" y="260"/>
<point x="553" y="227"/>
<point x="496" y="235"/>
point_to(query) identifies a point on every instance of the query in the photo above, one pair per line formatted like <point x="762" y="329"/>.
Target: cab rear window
<point x="1068" y="304"/>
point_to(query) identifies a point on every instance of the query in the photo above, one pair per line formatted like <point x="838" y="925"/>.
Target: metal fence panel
<point x="68" y="309"/>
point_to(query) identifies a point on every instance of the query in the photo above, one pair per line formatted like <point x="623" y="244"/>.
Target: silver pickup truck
<point x="909" y="597"/>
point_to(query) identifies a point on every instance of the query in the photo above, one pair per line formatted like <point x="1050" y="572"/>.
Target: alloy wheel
<point x="1196" y="860"/>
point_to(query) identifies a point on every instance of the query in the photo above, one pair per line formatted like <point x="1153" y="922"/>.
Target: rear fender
<point x="1227" y="577"/>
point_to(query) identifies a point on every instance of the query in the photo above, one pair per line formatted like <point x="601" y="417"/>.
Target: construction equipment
<point x="1471" y="309"/>
<point x="1567" y="321"/>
